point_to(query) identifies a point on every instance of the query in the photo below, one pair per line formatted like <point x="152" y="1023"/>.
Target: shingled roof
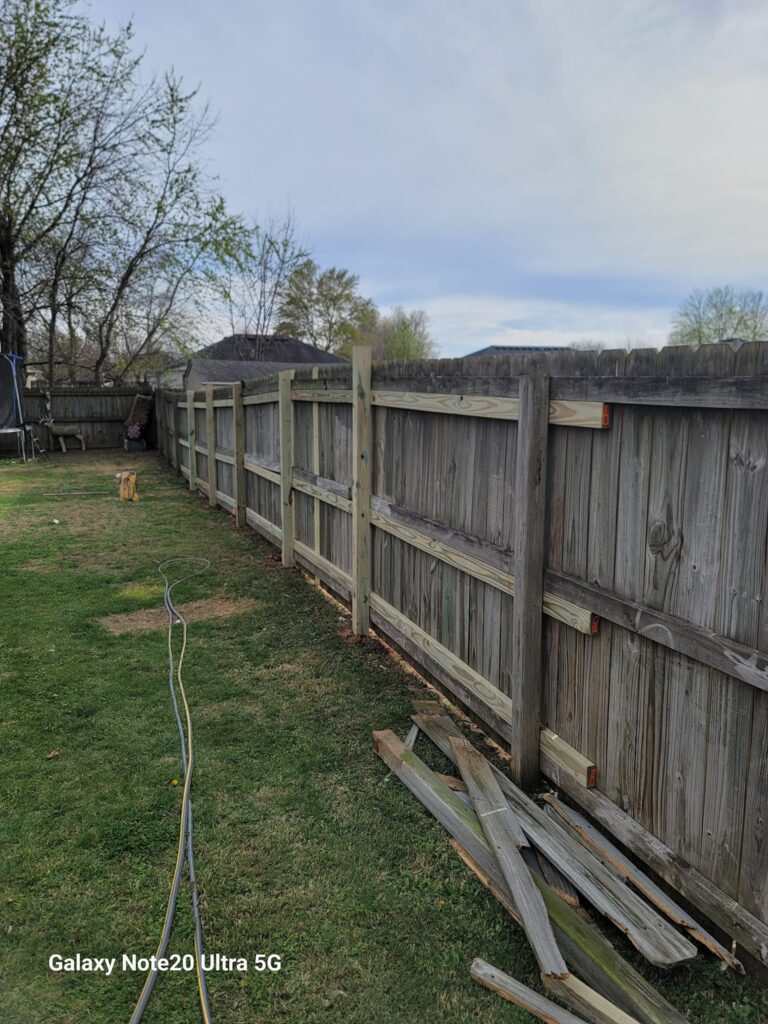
<point x="227" y="371"/>
<point x="266" y="348"/>
<point x="509" y="350"/>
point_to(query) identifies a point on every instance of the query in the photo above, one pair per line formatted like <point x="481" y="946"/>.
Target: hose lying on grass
<point x="185" y="826"/>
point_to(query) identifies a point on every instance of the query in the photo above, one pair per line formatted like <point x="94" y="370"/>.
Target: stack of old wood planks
<point x="540" y="862"/>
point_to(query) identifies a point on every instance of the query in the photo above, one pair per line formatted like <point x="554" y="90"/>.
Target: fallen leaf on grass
<point x="53" y="753"/>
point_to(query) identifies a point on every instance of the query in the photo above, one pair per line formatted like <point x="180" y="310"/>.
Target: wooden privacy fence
<point x="573" y="545"/>
<point x="101" y="412"/>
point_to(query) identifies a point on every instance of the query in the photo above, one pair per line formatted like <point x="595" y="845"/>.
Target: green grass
<point x="306" y="845"/>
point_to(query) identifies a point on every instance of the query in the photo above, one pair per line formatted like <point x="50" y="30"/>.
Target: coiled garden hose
<point x="185" y="825"/>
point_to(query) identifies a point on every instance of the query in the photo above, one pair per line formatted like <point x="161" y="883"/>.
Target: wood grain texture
<point x="653" y="936"/>
<point x="238" y="440"/>
<point x="505" y="986"/>
<point x="505" y="838"/>
<point x="288" y="520"/>
<point x="593" y="839"/>
<point x="362" y="462"/>
<point x="594" y="1006"/>
<point x="712" y="901"/>
<point x="454" y="549"/>
<point x="530" y="518"/>
<point x="191" y="436"/>
<point x="559" y="757"/>
<point x="584" y="947"/>
<point x="210" y="442"/>
<point x="455" y="668"/>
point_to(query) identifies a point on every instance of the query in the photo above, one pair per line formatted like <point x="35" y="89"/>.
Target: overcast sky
<point x="526" y="171"/>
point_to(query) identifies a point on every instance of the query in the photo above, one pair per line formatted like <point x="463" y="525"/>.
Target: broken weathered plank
<point x="487" y="798"/>
<point x="586" y="1000"/>
<point x="585" y="949"/>
<point x="413" y="735"/>
<point x="593" y="839"/>
<point x="650" y="933"/>
<point x="505" y="837"/>
<point x="702" y="892"/>
<point x="558" y="881"/>
<point x="508" y="988"/>
<point x="452" y="782"/>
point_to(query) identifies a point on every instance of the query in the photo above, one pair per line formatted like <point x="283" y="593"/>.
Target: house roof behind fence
<point x="267" y="348"/>
<point x="225" y="371"/>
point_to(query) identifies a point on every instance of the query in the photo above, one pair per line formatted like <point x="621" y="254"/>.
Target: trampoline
<point x="11" y="405"/>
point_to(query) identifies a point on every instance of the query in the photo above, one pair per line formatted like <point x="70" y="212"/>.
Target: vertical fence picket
<point x="361" y="488"/>
<point x="210" y="431"/>
<point x="316" y="467"/>
<point x="239" y="451"/>
<point x="286" y="466"/>
<point x="192" y="441"/>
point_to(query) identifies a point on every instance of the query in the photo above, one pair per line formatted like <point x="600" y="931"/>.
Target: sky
<point x="527" y="171"/>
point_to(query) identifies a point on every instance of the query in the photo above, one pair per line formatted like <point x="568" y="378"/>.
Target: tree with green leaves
<point x="706" y="317"/>
<point x="108" y="223"/>
<point x="324" y="308"/>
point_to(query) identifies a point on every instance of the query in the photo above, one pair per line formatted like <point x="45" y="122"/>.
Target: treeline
<point x="115" y="245"/>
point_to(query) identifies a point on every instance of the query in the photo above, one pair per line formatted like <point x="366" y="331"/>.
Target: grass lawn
<point x="306" y="846"/>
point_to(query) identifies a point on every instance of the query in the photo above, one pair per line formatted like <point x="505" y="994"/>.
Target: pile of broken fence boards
<point x="537" y="861"/>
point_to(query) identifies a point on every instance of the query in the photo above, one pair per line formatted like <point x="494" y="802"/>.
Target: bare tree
<point x="252" y="280"/>
<point x="108" y="224"/>
<point x="710" y="316"/>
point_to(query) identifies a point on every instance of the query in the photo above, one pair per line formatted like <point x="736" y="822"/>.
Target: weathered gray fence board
<point x="100" y="412"/>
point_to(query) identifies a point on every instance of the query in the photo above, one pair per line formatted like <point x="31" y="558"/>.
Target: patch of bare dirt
<point x="193" y="611"/>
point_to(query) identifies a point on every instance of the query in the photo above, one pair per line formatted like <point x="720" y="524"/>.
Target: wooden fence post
<point x="316" y="467"/>
<point x="362" y="436"/>
<point x="210" y="432"/>
<point x="176" y="414"/>
<point x="191" y="441"/>
<point x="159" y="426"/>
<point x="530" y="510"/>
<point x="239" y="443"/>
<point x="286" y="465"/>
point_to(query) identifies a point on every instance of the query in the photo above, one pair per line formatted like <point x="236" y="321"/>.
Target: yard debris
<point x="506" y="839"/>
<point x="54" y="753"/>
<point x="525" y="998"/>
<point x="602" y="847"/>
<point x="488" y="829"/>
<point x="653" y="935"/>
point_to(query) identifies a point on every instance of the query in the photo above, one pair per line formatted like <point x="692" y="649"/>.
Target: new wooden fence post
<point x="362" y="436"/>
<point x="530" y="508"/>
<point x="285" y="378"/>
<point x="191" y="441"/>
<point x="210" y="432"/>
<point x="239" y="443"/>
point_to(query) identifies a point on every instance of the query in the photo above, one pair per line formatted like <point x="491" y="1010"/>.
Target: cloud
<point x="462" y="324"/>
<point x="494" y="150"/>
